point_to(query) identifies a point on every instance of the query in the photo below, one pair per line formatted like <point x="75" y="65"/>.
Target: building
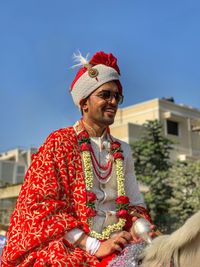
<point x="13" y="165"/>
<point x="181" y="124"/>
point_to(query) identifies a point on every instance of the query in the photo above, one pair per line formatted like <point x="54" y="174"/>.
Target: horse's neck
<point x="189" y="255"/>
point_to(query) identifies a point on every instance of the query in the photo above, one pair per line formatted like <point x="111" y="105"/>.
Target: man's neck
<point x="93" y="129"/>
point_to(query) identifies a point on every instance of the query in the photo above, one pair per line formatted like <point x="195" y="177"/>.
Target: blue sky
<point x="157" y="44"/>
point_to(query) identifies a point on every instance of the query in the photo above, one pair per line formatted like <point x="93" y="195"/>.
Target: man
<point x="79" y="195"/>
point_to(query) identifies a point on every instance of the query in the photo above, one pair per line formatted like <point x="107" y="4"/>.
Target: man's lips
<point x="110" y="111"/>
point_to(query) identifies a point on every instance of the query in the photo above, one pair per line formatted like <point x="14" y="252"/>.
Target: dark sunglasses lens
<point x="106" y="95"/>
<point x="119" y="98"/>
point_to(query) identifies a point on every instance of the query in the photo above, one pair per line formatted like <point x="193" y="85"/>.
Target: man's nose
<point x="113" y="100"/>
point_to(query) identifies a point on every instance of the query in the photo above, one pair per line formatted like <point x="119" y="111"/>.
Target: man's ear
<point x="84" y="105"/>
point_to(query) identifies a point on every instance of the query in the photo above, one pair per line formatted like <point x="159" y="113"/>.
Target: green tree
<point x="151" y="154"/>
<point x="158" y="201"/>
<point x="184" y="180"/>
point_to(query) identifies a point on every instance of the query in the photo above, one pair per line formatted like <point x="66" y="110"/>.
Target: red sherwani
<point x="52" y="200"/>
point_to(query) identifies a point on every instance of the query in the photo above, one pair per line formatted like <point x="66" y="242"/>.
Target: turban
<point x="100" y="69"/>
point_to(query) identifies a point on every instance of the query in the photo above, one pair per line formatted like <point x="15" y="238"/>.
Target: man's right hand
<point x="113" y="244"/>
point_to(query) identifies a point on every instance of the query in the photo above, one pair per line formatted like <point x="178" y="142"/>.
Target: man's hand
<point x="113" y="244"/>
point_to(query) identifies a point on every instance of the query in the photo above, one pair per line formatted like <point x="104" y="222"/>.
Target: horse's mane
<point x="166" y="246"/>
<point x="187" y="232"/>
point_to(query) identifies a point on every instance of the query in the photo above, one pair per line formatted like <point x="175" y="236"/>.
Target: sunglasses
<point x="108" y="96"/>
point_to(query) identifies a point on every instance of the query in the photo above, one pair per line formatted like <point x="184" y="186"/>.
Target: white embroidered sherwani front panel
<point x="106" y="190"/>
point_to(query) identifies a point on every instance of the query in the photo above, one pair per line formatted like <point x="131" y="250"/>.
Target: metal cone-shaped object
<point x="141" y="228"/>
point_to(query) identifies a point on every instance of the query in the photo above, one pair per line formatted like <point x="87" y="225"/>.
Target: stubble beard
<point x="106" y="121"/>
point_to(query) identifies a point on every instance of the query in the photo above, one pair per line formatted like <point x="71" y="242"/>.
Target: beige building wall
<point x="13" y="165"/>
<point x="121" y="131"/>
<point x="138" y="113"/>
<point x="127" y="132"/>
<point x="129" y="120"/>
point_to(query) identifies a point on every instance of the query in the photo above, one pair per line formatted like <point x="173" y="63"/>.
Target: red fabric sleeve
<point x="47" y="207"/>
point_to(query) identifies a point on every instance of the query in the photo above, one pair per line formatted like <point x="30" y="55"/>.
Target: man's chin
<point x="109" y="121"/>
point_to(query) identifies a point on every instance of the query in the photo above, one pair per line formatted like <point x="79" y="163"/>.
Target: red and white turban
<point x="100" y="69"/>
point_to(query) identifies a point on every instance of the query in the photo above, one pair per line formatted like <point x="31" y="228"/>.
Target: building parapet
<point x="10" y="191"/>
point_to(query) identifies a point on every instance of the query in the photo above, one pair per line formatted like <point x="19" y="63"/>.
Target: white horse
<point x="182" y="247"/>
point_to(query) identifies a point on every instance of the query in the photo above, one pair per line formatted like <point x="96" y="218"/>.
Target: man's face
<point x="99" y="108"/>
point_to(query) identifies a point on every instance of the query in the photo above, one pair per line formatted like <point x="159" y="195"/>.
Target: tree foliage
<point x="151" y="152"/>
<point x="174" y="188"/>
<point x="158" y="200"/>
<point x="152" y="161"/>
<point x="184" y="179"/>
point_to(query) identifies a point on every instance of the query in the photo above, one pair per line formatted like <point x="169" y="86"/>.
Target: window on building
<point x="172" y="127"/>
<point x="20" y="174"/>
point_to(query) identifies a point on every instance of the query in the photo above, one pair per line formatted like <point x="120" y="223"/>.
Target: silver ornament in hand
<point x="142" y="228"/>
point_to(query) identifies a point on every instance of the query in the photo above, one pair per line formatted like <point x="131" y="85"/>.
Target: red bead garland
<point x="122" y="202"/>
